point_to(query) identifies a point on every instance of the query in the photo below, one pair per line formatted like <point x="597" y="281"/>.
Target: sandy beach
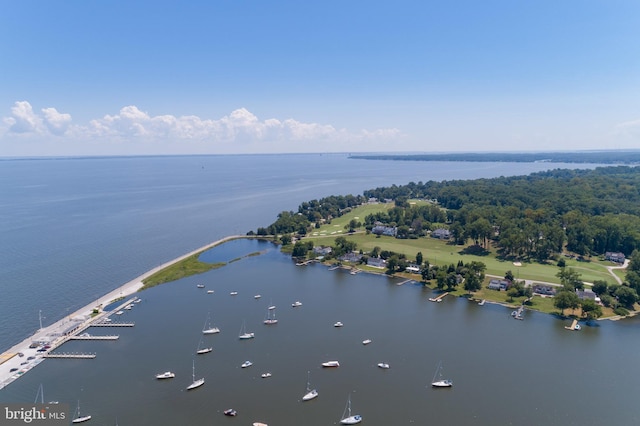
<point x="11" y="359"/>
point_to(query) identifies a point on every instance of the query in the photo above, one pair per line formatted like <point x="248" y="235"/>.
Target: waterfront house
<point x="498" y="284"/>
<point x="586" y="294"/>
<point x="545" y="290"/>
<point x="376" y="262"/>
<point x="352" y="257"/>
<point x="414" y="269"/>
<point x="322" y="250"/>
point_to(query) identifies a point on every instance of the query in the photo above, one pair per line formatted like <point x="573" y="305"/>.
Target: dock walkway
<point x="438" y="298"/>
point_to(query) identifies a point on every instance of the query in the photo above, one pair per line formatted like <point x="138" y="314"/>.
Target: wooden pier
<point x="92" y="337"/>
<point x="70" y="355"/>
<point x="574" y="326"/>
<point x="404" y="282"/>
<point x="438" y="298"/>
<point x="112" y="324"/>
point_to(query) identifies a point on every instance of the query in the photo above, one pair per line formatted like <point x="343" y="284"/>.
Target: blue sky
<point x="168" y="77"/>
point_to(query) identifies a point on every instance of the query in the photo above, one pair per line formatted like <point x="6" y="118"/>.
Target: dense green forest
<point x="593" y="157"/>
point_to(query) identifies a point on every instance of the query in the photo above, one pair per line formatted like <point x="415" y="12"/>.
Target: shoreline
<point x="10" y="358"/>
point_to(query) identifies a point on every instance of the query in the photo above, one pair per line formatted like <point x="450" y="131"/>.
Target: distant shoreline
<point x="609" y="157"/>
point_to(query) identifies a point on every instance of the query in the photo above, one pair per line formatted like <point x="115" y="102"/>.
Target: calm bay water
<point x="75" y="229"/>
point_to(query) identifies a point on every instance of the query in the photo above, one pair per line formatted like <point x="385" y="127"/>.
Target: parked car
<point x="13" y="369"/>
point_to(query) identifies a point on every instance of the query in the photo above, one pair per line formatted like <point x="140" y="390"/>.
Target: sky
<point x="223" y="77"/>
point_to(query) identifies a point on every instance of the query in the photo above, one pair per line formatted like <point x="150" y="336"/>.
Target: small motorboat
<point x="331" y="364"/>
<point x="383" y="365"/>
<point x="165" y="375"/>
<point x="338" y="324"/>
<point x="366" y="342"/>
<point x="230" y="412"/>
<point x="296" y="304"/>
<point x="265" y="375"/>
<point x="246" y="364"/>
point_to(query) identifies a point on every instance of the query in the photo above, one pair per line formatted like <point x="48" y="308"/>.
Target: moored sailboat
<point x="195" y="383"/>
<point x="310" y="393"/>
<point x="78" y="418"/>
<point x="244" y="334"/>
<point x="208" y="329"/>
<point x="347" y="418"/>
<point x="438" y="381"/>
<point x="271" y="317"/>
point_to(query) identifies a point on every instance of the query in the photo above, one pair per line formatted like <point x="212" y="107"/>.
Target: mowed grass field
<point x="439" y="252"/>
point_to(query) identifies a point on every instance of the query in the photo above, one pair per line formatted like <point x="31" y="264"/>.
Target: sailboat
<point x="271" y="317"/>
<point x="243" y="333"/>
<point x="41" y="395"/>
<point x="208" y="329"/>
<point x="311" y="393"/>
<point x="79" y="418"/>
<point x="438" y="381"/>
<point x="195" y="383"/>
<point x="202" y="350"/>
<point x="347" y="418"/>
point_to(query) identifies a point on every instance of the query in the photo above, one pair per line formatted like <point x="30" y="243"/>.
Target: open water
<point x="74" y="229"/>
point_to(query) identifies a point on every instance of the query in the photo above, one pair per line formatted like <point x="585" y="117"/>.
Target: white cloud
<point x="628" y="128"/>
<point x="239" y="131"/>
<point x="56" y="122"/>
<point x="23" y="119"/>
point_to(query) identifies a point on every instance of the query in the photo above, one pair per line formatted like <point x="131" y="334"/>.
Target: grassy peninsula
<point x="184" y="268"/>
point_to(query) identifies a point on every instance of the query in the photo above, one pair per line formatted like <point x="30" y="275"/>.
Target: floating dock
<point x="112" y="324"/>
<point x="517" y="314"/>
<point x="70" y="355"/>
<point x="92" y="337"/>
<point x="438" y="298"/>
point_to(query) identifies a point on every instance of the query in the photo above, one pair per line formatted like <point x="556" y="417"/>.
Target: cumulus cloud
<point x="239" y="128"/>
<point x="23" y="119"/>
<point x="56" y="122"/>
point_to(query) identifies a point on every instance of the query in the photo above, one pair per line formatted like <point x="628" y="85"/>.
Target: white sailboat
<point x="347" y="418"/>
<point x="78" y="418"/>
<point x="195" y="383"/>
<point x="202" y="350"/>
<point x="208" y="329"/>
<point x="310" y="393"/>
<point x="271" y="317"/>
<point x="41" y="395"/>
<point x="438" y="381"/>
<point x="243" y="332"/>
